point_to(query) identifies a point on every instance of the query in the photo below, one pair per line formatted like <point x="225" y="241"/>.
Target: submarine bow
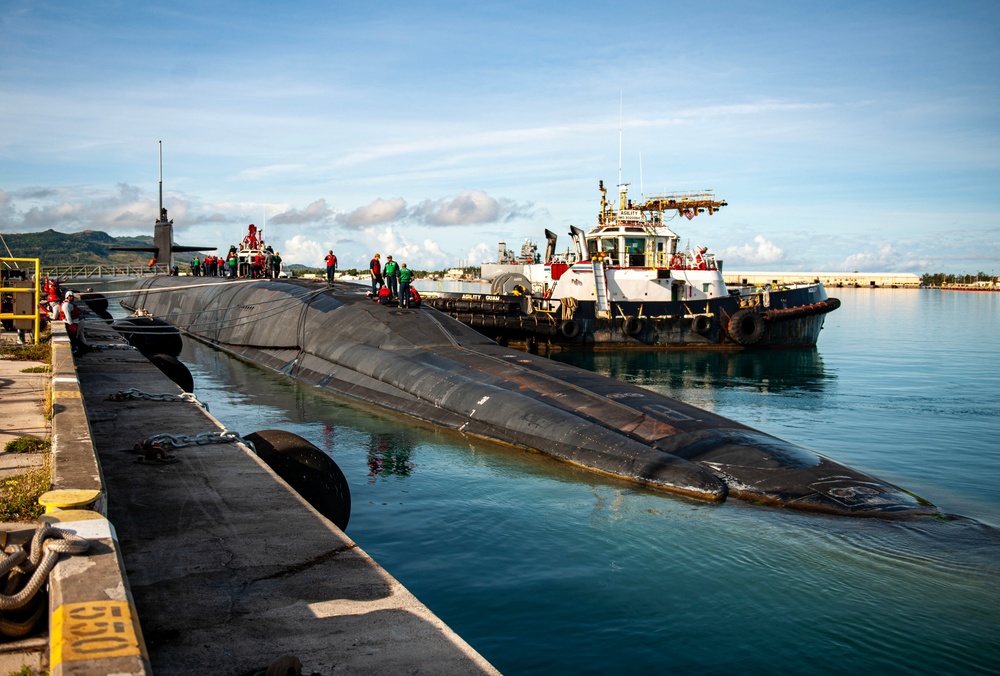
<point x="422" y="363"/>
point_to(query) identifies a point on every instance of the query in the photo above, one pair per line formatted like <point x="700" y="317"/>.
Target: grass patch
<point x="28" y="445"/>
<point x="37" y="369"/>
<point x="19" y="494"/>
<point x="29" y="352"/>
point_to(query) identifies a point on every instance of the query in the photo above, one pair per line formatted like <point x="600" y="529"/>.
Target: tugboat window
<point x="635" y="247"/>
<point x="610" y="247"/>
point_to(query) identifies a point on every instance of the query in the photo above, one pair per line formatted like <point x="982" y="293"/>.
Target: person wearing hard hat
<point x="71" y="316"/>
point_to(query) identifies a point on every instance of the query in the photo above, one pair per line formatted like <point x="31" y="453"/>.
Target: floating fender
<point x="150" y="335"/>
<point x="820" y="308"/>
<point x="311" y="472"/>
<point x="701" y="324"/>
<point x="633" y="326"/>
<point x="174" y="369"/>
<point x="569" y="329"/>
<point x="98" y="304"/>
<point x="746" y="327"/>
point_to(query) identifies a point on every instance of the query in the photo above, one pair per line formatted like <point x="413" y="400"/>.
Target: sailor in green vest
<point x="405" y="277"/>
<point x="391" y="272"/>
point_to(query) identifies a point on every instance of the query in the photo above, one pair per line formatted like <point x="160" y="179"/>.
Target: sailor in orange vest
<point x="71" y="315"/>
<point x="331" y="267"/>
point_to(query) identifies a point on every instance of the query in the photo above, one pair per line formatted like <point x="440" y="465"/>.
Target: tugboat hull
<point x="792" y="318"/>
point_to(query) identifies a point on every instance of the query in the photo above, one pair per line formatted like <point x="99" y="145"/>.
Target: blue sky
<point x="845" y="136"/>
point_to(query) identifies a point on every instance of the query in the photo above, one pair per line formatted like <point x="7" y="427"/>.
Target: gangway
<point x="601" y="287"/>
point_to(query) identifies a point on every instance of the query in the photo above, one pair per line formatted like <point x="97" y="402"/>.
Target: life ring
<point x="746" y="327"/>
<point x="633" y="326"/>
<point x="701" y="324"/>
<point x="569" y="329"/>
<point x="676" y="262"/>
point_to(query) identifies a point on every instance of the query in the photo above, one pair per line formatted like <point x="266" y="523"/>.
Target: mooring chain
<point x="46" y="546"/>
<point x="159" y="441"/>
<point x="134" y="393"/>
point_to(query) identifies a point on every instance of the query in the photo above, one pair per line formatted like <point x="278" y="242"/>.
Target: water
<point x="548" y="569"/>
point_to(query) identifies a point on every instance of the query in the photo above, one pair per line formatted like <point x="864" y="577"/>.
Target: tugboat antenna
<point x="620" y="101"/>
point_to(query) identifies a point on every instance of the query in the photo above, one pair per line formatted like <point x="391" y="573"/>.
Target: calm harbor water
<point x="547" y="569"/>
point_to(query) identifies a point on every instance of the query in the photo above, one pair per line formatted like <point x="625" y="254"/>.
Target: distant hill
<point x="90" y="247"/>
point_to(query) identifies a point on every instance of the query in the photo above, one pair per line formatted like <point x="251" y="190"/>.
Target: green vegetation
<point x="90" y="247"/>
<point x="37" y="369"/>
<point x="28" y="671"/>
<point x="939" y="278"/>
<point x="19" y="494"/>
<point x="29" y="352"/>
<point x="28" y="445"/>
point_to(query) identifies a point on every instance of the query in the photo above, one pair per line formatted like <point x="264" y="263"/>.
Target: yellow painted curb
<point x="92" y="631"/>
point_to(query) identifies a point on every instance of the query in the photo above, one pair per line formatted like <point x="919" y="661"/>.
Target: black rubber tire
<point x="746" y="327"/>
<point x="701" y="324"/>
<point x="633" y="326"/>
<point x="150" y="335"/>
<point x="311" y="472"/>
<point x="173" y="368"/>
<point x="569" y="329"/>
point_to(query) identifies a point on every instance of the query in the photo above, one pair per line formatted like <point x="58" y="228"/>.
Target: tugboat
<point x="627" y="283"/>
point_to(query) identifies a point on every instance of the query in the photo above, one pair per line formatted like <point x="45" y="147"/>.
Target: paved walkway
<point x="22" y="403"/>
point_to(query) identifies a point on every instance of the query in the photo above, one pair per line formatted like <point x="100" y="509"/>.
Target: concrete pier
<point x="223" y="568"/>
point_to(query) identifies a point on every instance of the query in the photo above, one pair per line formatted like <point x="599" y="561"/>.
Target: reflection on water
<point x="389" y="455"/>
<point x="762" y="371"/>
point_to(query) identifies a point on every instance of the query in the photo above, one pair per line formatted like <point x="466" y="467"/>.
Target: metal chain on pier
<point x="160" y="441"/>
<point x="110" y="346"/>
<point x="133" y="393"/>
<point x="46" y="546"/>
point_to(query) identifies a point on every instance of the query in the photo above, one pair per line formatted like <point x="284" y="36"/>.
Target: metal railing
<point x="103" y="270"/>
<point x="36" y="314"/>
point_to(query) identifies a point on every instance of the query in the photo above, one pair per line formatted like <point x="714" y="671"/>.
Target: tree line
<point x="939" y="278"/>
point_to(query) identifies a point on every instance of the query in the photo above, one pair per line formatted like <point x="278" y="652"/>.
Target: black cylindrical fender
<point x="311" y="472"/>
<point x="150" y="335"/>
<point x="174" y="369"/>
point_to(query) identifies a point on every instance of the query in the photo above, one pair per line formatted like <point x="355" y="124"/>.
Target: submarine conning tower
<point x="422" y="363"/>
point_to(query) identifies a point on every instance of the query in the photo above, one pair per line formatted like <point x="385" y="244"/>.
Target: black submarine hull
<point x="422" y="363"/>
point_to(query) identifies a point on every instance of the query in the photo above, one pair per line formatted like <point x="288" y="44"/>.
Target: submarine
<point x="422" y="363"/>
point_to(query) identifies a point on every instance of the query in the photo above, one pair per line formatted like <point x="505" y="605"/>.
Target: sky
<point x="847" y="136"/>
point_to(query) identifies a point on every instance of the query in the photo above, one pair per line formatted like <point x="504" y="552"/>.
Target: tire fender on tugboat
<point x="746" y="327"/>
<point x="701" y="324"/>
<point x="569" y="329"/>
<point x="633" y="326"/>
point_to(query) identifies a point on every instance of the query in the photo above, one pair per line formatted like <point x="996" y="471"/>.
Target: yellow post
<point x="35" y="315"/>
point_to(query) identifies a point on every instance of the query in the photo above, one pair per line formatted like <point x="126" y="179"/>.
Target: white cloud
<point x="761" y="252"/>
<point x="317" y="212"/>
<point x="379" y="211"/>
<point x="304" y="251"/>
<point x="886" y="259"/>
<point x="481" y="253"/>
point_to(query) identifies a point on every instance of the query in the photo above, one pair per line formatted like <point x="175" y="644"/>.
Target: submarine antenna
<point x="160" y="212"/>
